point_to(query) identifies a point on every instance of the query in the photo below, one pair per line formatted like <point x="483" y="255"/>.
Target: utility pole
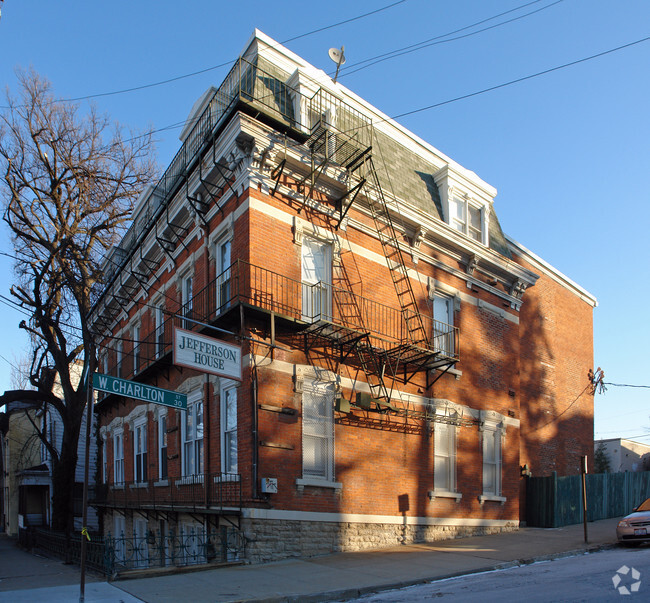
<point x="583" y="471"/>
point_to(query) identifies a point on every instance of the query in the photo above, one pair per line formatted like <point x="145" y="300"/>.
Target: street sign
<point x="207" y="354"/>
<point x="139" y="391"/>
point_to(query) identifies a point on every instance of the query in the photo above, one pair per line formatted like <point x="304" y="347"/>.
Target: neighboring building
<point x="625" y="455"/>
<point x="386" y="360"/>
<point x="21" y="456"/>
<point x="28" y="466"/>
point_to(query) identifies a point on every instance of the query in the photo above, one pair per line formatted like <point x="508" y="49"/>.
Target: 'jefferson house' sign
<point x="207" y="354"/>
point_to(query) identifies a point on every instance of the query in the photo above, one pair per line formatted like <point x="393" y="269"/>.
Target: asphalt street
<point x="601" y="576"/>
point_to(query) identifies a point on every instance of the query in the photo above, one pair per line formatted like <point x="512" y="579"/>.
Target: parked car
<point x="635" y="527"/>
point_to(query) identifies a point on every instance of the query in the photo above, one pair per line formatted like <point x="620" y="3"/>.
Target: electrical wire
<point x="449" y="33"/>
<point x="464" y="96"/>
<point x="520" y="79"/>
<point x="226" y="63"/>
<point x="345" y="71"/>
<point x="626" y="385"/>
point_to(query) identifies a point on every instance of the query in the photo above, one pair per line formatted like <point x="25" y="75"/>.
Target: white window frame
<point x="119" y="527"/>
<point x="191" y="445"/>
<point x="318" y="431"/>
<point x="223" y="262"/>
<point x="463" y="223"/>
<point x="492" y="454"/>
<point x="141" y="547"/>
<point x="136" y="349"/>
<point x="118" y="457"/>
<point x="119" y="354"/>
<point x="187" y="298"/>
<point x="159" y="327"/>
<point x="229" y="444"/>
<point x="445" y="341"/>
<point x="444" y="447"/>
<point x="191" y="536"/>
<point x="162" y="450"/>
<point x="140" y="450"/>
<point x="316" y="294"/>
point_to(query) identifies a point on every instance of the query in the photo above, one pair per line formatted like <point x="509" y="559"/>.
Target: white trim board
<point x="281" y="515"/>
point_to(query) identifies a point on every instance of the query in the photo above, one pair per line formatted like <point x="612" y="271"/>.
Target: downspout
<point x="206" y="393"/>
<point x="255" y="422"/>
<point x="206" y="389"/>
<point x="206" y="439"/>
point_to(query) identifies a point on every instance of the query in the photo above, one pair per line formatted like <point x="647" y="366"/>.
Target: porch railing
<point x="213" y="490"/>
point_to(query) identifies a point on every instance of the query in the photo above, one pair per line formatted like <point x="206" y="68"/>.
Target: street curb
<point x="349" y="594"/>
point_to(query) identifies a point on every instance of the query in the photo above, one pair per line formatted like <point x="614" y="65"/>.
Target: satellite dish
<point x="338" y="57"/>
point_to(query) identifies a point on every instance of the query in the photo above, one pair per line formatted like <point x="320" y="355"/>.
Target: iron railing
<point x="246" y="85"/>
<point x="304" y="303"/>
<point x="115" y="553"/>
<point x="65" y="547"/>
<point x="181" y="547"/>
<point x="216" y="491"/>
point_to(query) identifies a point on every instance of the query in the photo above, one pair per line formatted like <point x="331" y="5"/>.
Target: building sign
<point x="139" y="391"/>
<point x="207" y="354"/>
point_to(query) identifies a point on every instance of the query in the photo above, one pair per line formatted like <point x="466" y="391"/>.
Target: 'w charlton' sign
<point x="207" y="354"/>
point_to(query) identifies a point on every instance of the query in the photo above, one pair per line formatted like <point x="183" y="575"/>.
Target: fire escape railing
<point x="246" y="85"/>
<point x="213" y="490"/>
<point x="310" y="306"/>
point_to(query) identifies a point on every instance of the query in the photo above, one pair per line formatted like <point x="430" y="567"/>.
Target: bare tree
<point x="69" y="183"/>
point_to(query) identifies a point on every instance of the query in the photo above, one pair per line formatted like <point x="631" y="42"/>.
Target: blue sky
<point x="567" y="151"/>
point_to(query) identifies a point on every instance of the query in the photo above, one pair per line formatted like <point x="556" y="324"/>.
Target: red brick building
<point x="397" y="358"/>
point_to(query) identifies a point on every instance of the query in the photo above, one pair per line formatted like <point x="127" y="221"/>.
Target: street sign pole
<point x="583" y="471"/>
<point x="84" y="519"/>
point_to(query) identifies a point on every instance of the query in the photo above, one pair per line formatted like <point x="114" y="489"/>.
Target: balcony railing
<point x="216" y="491"/>
<point x="306" y="304"/>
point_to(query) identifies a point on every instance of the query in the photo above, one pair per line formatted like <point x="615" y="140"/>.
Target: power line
<point x="521" y="79"/>
<point x="11" y="364"/>
<point x="226" y="63"/>
<point x="478" y="92"/>
<point x="626" y="385"/>
<point x="439" y="39"/>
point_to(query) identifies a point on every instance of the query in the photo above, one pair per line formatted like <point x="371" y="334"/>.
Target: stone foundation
<point x="272" y="540"/>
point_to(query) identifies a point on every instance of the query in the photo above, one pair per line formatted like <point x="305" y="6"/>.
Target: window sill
<point x="433" y="494"/>
<point x="117" y="486"/>
<point x="139" y="485"/>
<point x="227" y="478"/>
<point x="161" y="482"/>
<point x="317" y="483"/>
<point x="189" y="479"/>
<point x="491" y="497"/>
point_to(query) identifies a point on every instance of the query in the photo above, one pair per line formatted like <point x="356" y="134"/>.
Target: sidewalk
<point x="331" y="577"/>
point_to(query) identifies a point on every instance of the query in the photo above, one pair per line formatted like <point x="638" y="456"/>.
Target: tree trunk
<point x="63" y="479"/>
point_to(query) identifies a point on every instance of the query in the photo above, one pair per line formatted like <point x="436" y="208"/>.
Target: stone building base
<point x="272" y="540"/>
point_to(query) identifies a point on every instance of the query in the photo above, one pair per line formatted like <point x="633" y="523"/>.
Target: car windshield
<point x="644" y="506"/>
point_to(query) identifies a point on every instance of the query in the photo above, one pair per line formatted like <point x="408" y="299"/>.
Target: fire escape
<point x="338" y="139"/>
<point x="342" y="139"/>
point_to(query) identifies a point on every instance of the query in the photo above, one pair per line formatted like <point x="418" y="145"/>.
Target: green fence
<point x="552" y="502"/>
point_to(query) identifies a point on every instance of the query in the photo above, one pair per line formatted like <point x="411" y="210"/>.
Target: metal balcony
<point x="317" y="310"/>
<point x="213" y="492"/>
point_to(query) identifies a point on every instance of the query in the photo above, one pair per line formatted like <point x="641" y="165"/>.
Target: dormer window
<point x="466" y="218"/>
<point x="466" y="201"/>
